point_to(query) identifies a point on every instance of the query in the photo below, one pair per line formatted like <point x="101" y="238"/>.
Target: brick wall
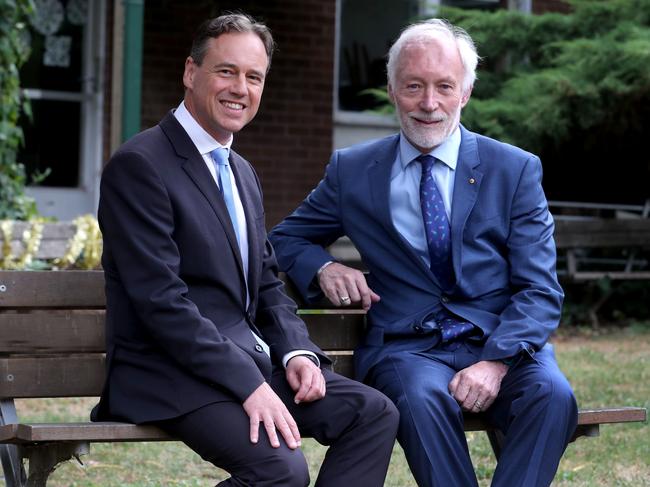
<point x="290" y="140"/>
<point x="543" y="6"/>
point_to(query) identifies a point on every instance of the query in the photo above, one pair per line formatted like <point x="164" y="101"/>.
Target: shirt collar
<point x="203" y="141"/>
<point x="447" y="152"/>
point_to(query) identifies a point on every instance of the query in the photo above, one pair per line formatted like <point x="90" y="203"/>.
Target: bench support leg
<point x="496" y="438"/>
<point x="588" y="430"/>
<point x="12" y="464"/>
<point x="43" y="459"/>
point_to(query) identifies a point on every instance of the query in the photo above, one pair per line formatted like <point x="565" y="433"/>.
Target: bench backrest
<point x="598" y="233"/>
<point x="52" y="333"/>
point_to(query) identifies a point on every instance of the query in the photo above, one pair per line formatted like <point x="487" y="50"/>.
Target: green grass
<point x="612" y="369"/>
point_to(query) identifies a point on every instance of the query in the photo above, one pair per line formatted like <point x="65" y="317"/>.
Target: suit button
<point x="259" y="348"/>
<point x="417" y="328"/>
<point x="445" y="299"/>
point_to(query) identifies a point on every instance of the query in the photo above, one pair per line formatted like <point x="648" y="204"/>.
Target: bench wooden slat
<point x="613" y="275"/>
<point x="118" y="432"/>
<point x="47" y="289"/>
<point x="82" y="375"/>
<point x="340" y="332"/>
<point x="602" y="233"/>
<point x="612" y="415"/>
<point x="74" y="376"/>
<point x="93" y="432"/>
<point x="81" y="331"/>
<point x="52" y="331"/>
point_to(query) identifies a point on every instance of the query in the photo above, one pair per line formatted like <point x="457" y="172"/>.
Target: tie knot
<point x="427" y="161"/>
<point x="220" y="156"/>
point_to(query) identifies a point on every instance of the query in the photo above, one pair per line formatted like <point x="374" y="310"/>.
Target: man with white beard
<point x="462" y="293"/>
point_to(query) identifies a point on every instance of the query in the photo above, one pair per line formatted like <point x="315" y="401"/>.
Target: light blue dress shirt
<point x="406" y="173"/>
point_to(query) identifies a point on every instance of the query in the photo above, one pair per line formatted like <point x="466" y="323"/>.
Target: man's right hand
<point x="264" y="406"/>
<point x="344" y="285"/>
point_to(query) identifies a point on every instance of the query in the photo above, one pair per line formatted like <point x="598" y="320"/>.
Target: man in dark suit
<point x="201" y="339"/>
<point x="462" y="293"/>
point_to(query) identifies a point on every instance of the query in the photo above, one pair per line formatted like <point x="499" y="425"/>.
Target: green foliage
<point x="547" y="80"/>
<point x="14" y="51"/>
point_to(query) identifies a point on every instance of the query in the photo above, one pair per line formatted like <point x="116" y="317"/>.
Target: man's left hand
<point x="476" y="387"/>
<point x="306" y="379"/>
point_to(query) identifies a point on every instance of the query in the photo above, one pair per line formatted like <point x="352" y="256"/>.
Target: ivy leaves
<point x="14" y="51"/>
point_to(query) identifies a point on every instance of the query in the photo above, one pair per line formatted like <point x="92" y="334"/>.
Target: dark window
<point x="368" y="28"/>
<point x="52" y="78"/>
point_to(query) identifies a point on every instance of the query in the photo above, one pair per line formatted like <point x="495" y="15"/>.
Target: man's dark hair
<point x="225" y="24"/>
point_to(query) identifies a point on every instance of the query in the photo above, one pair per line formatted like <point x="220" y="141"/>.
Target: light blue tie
<point x="220" y="158"/>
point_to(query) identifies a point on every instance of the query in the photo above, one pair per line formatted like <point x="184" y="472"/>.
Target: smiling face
<point x="427" y="91"/>
<point x="223" y="93"/>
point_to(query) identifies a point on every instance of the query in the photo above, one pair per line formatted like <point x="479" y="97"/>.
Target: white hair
<point x="432" y="29"/>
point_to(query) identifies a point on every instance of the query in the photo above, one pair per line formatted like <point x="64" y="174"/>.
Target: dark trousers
<point x="535" y="409"/>
<point x="357" y="422"/>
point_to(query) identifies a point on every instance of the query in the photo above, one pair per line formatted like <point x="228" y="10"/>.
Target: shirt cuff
<point x="295" y="353"/>
<point x="322" y="268"/>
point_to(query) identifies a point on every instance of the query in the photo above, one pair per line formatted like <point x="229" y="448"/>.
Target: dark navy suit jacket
<point x="502" y="247"/>
<point x="178" y="328"/>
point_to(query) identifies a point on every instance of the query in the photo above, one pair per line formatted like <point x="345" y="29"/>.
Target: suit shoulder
<point x="145" y="149"/>
<point x="143" y="142"/>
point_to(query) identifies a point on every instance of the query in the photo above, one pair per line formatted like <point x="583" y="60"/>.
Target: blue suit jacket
<point x="178" y="329"/>
<point x="502" y="247"/>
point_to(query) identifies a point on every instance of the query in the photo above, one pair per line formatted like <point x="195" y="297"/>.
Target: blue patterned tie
<point x="220" y="158"/>
<point x="436" y="223"/>
<point x="438" y="233"/>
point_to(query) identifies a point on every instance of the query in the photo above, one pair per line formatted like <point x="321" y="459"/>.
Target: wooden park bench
<point x="586" y="231"/>
<point x="52" y="345"/>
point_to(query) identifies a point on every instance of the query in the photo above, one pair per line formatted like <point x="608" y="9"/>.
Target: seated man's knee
<point x="293" y="473"/>
<point x="280" y="467"/>
<point x="389" y="414"/>
<point x="377" y="409"/>
<point x="553" y="390"/>
<point x="290" y="471"/>
<point x="563" y="397"/>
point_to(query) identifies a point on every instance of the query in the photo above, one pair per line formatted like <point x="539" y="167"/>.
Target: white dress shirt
<point x="205" y="144"/>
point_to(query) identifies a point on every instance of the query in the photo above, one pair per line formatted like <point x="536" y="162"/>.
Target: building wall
<point x="290" y="140"/>
<point x="543" y="6"/>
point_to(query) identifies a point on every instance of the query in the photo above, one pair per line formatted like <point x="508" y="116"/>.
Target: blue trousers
<point x="535" y="409"/>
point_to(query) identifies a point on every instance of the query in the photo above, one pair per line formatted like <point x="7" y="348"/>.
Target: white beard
<point x="428" y="137"/>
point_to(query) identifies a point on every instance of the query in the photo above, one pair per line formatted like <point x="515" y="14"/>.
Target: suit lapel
<point x="195" y="167"/>
<point x="466" y="187"/>
<point x="379" y="180"/>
